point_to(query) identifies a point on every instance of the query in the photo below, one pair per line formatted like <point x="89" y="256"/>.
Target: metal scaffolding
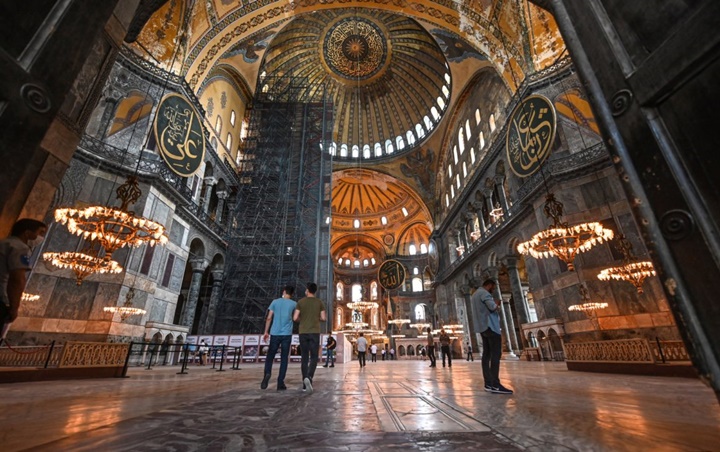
<point x="278" y="234"/>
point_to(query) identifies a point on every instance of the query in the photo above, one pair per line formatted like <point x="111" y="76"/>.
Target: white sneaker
<point x="308" y="385"/>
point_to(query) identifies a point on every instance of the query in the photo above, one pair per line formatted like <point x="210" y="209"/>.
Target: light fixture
<point x="114" y="227"/>
<point x="562" y="240"/>
<point x="356" y="325"/>
<point x="396" y="336"/>
<point x="632" y="270"/>
<point x="475" y="234"/>
<point x="454" y="326"/>
<point x="497" y="212"/>
<point x="420" y="326"/>
<point x="127" y="309"/>
<point x="587" y="306"/>
<point x="362" y="305"/>
<point x="83" y="263"/>
<point x="398" y="322"/>
<point x="460" y="249"/>
<point x="27" y="297"/>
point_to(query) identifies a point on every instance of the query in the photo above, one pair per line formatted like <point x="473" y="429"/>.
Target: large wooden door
<point x="653" y="72"/>
<point x="43" y="45"/>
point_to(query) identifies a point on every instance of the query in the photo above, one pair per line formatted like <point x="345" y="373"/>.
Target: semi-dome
<point x="386" y="77"/>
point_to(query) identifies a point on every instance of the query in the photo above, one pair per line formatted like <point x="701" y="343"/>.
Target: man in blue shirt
<point x="280" y="314"/>
<point x="489" y="327"/>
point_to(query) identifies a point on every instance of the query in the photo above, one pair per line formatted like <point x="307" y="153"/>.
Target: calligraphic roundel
<point x="179" y="135"/>
<point x="530" y="134"/>
<point x="391" y="274"/>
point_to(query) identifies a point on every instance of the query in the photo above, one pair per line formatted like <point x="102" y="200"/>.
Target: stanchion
<point x="152" y="352"/>
<point x="185" y="360"/>
<point x="222" y="359"/>
<point x="127" y="361"/>
<point x="47" y="361"/>
<point x="214" y="358"/>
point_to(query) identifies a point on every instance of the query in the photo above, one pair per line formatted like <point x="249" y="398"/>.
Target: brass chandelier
<point x="561" y="239"/>
<point x="127" y="309"/>
<point x="398" y="322"/>
<point x="83" y="263"/>
<point x="362" y="305"/>
<point x="633" y="270"/>
<point x="587" y="306"/>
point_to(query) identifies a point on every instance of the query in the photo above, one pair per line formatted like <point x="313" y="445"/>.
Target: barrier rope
<point x="29" y="352"/>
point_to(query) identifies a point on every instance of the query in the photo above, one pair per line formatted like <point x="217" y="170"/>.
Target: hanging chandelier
<point x="420" y="326"/>
<point x="476" y="234"/>
<point x="362" y="305"/>
<point x="497" y="212"/>
<point x="454" y="326"/>
<point x="587" y="306"/>
<point x="562" y="240"/>
<point x="113" y="227"/>
<point x="397" y="336"/>
<point x="28" y="297"/>
<point x="83" y="263"/>
<point x="127" y="309"/>
<point x="356" y="325"/>
<point x="398" y="322"/>
<point x="632" y="270"/>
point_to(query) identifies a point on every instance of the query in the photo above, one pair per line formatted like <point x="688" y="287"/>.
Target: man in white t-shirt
<point x="362" y="349"/>
<point x="373" y="353"/>
<point x="14" y="265"/>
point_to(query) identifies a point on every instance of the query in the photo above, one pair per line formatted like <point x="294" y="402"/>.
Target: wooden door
<point x="652" y="70"/>
<point x="43" y="45"/>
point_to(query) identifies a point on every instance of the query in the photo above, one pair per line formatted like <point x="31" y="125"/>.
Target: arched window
<point x="428" y="122"/>
<point x="333" y="149"/>
<point x="477" y="116"/>
<point x="218" y="125"/>
<point x="400" y="142"/>
<point x="232" y="118"/>
<point x="450" y="171"/>
<point x="419" y="130"/>
<point x="366" y="262"/>
<point x="447" y="78"/>
<point x="412" y="250"/>
<point x="455" y="154"/>
<point x="447" y="200"/>
<point x="339" y="315"/>
<point x="434" y="113"/>
<point x="420" y="311"/>
<point x="339" y="290"/>
<point x="423" y="248"/>
<point x="441" y="103"/>
<point x="472" y="155"/>
<point x="492" y="122"/>
<point x="461" y="140"/>
<point x="356" y="264"/>
<point x="343" y="150"/>
<point x="482" y="140"/>
<point x="388" y="147"/>
<point x="366" y="151"/>
<point x="452" y="191"/>
<point x="355" y="151"/>
<point x="378" y="149"/>
<point x="446" y="91"/>
<point x="228" y="142"/>
<point x="467" y="129"/>
<point x="457" y="178"/>
<point x="464" y="169"/>
<point x="356" y="292"/>
<point x="416" y="271"/>
<point x="374" y="290"/>
<point x="410" y="137"/>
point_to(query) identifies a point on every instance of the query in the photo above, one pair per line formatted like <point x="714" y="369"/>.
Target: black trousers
<point x="431" y="354"/>
<point x="309" y="345"/>
<point x="361" y="358"/>
<point x="445" y="351"/>
<point x="492" y="350"/>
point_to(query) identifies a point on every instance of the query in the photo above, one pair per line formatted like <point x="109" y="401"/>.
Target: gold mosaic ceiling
<point x="388" y="79"/>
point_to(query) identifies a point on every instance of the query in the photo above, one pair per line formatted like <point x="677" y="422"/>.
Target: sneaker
<point x="500" y="389"/>
<point x="308" y="385"/>
<point x="333" y="365"/>
<point x="488" y="388"/>
<point x="281" y="387"/>
<point x="265" y="381"/>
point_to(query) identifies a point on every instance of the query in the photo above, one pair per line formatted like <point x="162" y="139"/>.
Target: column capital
<point x="197" y="265"/>
<point x="499" y="179"/>
<point x="511" y="261"/>
<point x="210" y="180"/>
<point x="477" y="205"/>
<point x="488" y="193"/>
<point x="493" y="272"/>
<point x="217" y="275"/>
<point x="223" y="194"/>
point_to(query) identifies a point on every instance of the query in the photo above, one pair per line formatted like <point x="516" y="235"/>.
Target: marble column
<point x="489" y="204"/>
<point x="188" y="315"/>
<point x="462" y="235"/>
<point x="518" y="295"/>
<point x="215" y="293"/>
<point x="500" y="187"/>
<point x="511" y="325"/>
<point x="222" y="196"/>
<point x="205" y="201"/>
<point x="478" y="205"/>
<point x="493" y="273"/>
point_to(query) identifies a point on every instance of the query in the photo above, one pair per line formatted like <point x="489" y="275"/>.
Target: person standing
<point x="330" y="346"/>
<point x="489" y="327"/>
<point x="280" y="315"/>
<point x="310" y="311"/>
<point x="373" y="353"/>
<point x="382" y="353"/>
<point x="15" y="253"/>
<point x="469" y="352"/>
<point x="431" y="348"/>
<point x="362" y="349"/>
<point x="203" y="351"/>
<point x="392" y="354"/>
<point x="445" y="347"/>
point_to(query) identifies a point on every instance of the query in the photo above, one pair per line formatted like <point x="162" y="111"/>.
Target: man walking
<point x="431" y="348"/>
<point x="362" y="349"/>
<point x="489" y="327"/>
<point x="310" y="311"/>
<point x="445" y="347"/>
<point x="280" y="315"/>
<point x="330" y="346"/>
<point x="373" y="353"/>
<point x="470" y="357"/>
<point x="14" y="265"/>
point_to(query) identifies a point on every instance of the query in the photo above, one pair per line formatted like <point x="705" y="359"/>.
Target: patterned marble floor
<point x="398" y="405"/>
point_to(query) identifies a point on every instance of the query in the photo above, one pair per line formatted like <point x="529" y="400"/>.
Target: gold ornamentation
<point x="94" y="354"/>
<point x="391" y="274"/>
<point x="83" y="263"/>
<point x="179" y="135"/>
<point x="355" y="48"/>
<point x="530" y="134"/>
<point x="127" y="309"/>
<point x="632" y="270"/>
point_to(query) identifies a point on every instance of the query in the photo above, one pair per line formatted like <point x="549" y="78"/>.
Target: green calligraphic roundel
<point x="179" y="135"/>
<point x="391" y="274"/>
<point x="530" y="134"/>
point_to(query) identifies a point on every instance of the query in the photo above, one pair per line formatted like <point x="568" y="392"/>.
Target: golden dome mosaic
<point x="386" y="77"/>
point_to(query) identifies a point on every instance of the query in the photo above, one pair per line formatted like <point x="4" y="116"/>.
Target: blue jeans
<point x="283" y="343"/>
<point x="309" y="344"/>
<point x="329" y="357"/>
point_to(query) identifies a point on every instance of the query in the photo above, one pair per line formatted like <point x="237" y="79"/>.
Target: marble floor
<point x="398" y="405"/>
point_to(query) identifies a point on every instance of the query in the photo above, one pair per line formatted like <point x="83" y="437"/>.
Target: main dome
<point x="386" y="77"/>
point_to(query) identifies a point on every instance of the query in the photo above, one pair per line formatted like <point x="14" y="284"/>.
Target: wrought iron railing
<point x="614" y="351"/>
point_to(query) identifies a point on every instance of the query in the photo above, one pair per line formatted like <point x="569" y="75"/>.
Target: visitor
<point x="470" y="357"/>
<point x="330" y="346"/>
<point x="382" y="352"/>
<point x="202" y="352"/>
<point x="310" y="311"/>
<point x="280" y="315"/>
<point x="373" y="353"/>
<point x="361" y="349"/>
<point x="445" y="347"/>
<point x="392" y="354"/>
<point x="431" y="348"/>
<point x="489" y="327"/>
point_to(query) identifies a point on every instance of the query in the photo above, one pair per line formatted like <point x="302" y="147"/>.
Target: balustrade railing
<point x="626" y="351"/>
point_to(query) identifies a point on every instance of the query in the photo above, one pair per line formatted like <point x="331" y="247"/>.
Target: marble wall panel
<point x="177" y="232"/>
<point x="157" y="310"/>
<point x="177" y="274"/>
<point x="97" y="327"/>
<point x="69" y="326"/>
<point x="70" y="301"/>
<point x="43" y="286"/>
<point x="108" y="294"/>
